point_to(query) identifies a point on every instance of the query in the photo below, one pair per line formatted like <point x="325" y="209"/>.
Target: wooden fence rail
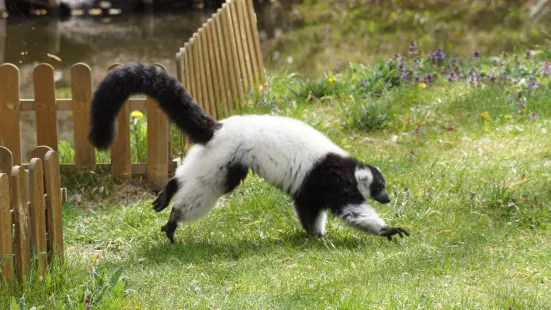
<point x="223" y="59"/>
<point x="30" y="213"/>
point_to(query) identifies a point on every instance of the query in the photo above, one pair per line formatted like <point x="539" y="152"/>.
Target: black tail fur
<point x="134" y="78"/>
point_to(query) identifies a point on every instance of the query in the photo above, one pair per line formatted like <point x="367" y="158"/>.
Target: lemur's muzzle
<point x="382" y="197"/>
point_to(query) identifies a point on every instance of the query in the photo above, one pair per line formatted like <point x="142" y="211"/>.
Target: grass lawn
<point x="468" y="165"/>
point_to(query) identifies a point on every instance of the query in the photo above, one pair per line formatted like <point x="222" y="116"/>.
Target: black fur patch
<point x="331" y="184"/>
<point x="235" y="174"/>
<point x="134" y="78"/>
<point x="165" y="196"/>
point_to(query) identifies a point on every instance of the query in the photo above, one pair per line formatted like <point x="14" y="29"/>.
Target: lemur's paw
<point x="160" y="202"/>
<point x="390" y="231"/>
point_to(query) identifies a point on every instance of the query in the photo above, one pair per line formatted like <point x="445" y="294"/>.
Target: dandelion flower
<point x="422" y="85"/>
<point x="332" y="80"/>
<point x="485" y="115"/>
<point x="507" y="116"/>
<point x="136" y="114"/>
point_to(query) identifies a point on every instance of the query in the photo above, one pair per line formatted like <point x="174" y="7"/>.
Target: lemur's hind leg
<point x="366" y="219"/>
<point x="165" y="196"/>
<point x="196" y="197"/>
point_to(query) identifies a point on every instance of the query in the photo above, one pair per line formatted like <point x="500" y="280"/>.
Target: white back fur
<point x="281" y="150"/>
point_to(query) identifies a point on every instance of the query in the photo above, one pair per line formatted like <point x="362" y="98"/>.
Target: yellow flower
<point x="136" y="114"/>
<point x="508" y="116"/>
<point x="485" y="115"/>
<point x="331" y="80"/>
<point x="422" y="85"/>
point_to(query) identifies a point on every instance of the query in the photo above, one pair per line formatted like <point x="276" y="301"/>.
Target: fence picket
<point x="232" y="63"/>
<point x="255" y="40"/>
<point x="18" y="189"/>
<point x="242" y="51"/>
<point x="222" y="65"/>
<point x="207" y="71"/>
<point x="202" y="98"/>
<point x="121" y="159"/>
<point x="38" y="214"/>
<point x="10" y="128"/>
<point x="6" y="160"/>
<point x="179" y="65"/>
<point x="247" y="42"/>
<point x="214" y="86"/>
<point x="53" y="206"/>
<point x="157" y="144"/>
<point x="81" y="85"/>
<point x="219" y="85"/>
<point x="238" y="47"/>
<point x="6" y="250"/>
<point x="190" y="61"/>
<point x="45" y="106"/>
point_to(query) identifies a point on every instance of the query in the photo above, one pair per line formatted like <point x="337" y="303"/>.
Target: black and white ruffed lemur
<point x="287" y="153"/>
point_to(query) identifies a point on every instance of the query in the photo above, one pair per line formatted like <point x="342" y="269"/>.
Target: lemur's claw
<point x="169" y="229"/>
<point x="388" y="232"/>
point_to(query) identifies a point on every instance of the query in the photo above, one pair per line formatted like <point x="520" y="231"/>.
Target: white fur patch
<point x="319" y="224"/>
<point x="364" y="217"/>
<point x="281" y="150"/>
<point x="364" y="178"/>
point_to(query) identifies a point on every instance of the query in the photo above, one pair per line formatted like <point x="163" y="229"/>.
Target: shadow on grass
<point x="204" y="249"/>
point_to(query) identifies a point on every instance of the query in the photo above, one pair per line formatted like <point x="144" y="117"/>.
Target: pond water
<point x="310" y="40"/>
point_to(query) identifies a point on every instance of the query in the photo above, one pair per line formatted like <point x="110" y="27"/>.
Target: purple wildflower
<point x="413" y="48"/>
<point x="405" y="75"/>
<point x="427" y="78"/>
<point x="455" y="75"/>
<point x="276" y="109"/>
<point x="437" y="55"/>
<point x="363" y="83"/>
<point x="533" y="116"/>
<point x="473" y="78"/>
<point x="476" y="54"/>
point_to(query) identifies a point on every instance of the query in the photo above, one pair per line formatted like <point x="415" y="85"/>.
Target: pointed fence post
<point x="81" y="86"/>
<point x="10" y="128"/>
<point x="121" y="159"/>
<point x="45" y="106"/>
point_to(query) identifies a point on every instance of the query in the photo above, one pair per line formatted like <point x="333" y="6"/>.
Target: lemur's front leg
<point x="365" y="218"/>
<point x="165" y="196"/>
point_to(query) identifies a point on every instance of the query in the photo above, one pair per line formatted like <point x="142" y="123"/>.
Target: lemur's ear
<point x="364" y="175"/>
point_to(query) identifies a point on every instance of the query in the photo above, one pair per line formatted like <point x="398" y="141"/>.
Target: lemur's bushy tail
<point x="135" y="78"/>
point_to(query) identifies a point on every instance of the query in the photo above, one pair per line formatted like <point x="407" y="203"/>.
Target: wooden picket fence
<point x="223" y="59"/>
<point x="31" y="232"/>
<point x="159" y="163"/>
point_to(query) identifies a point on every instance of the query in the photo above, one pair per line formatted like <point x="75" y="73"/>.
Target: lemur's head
<point x="371" y="183"/>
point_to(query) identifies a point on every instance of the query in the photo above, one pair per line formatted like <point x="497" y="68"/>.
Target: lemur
<point x="287" y="153"/>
